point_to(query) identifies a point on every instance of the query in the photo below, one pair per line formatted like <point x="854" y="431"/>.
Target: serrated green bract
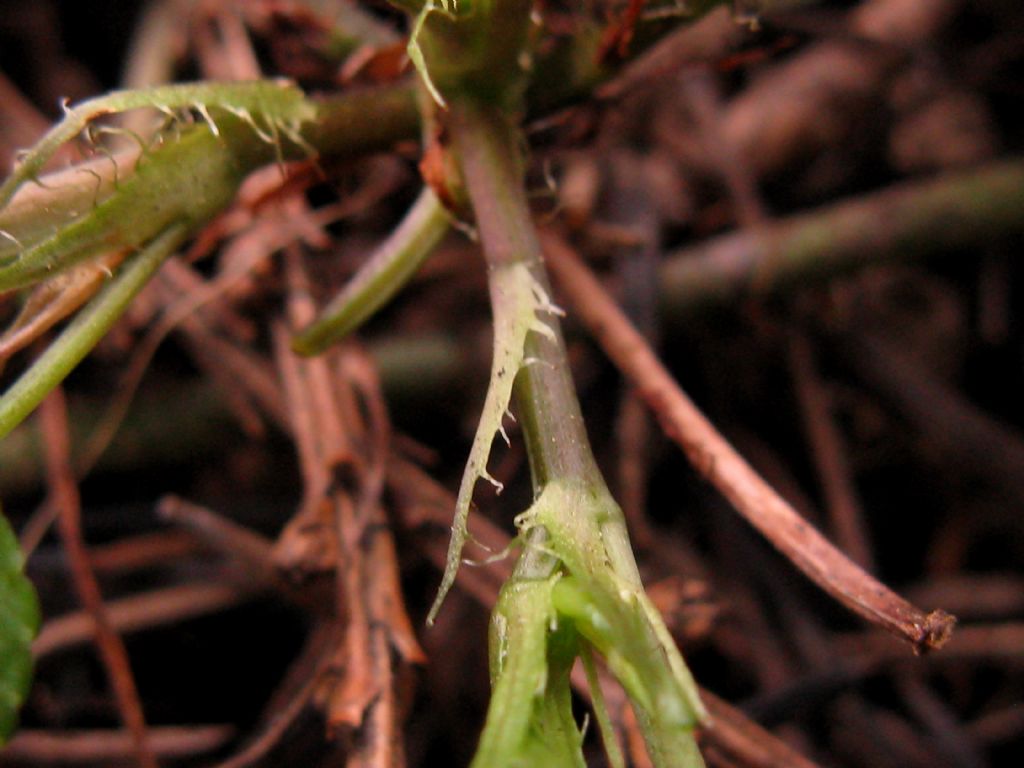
<point x="519" y="303"/>
<point x="19" y="622"/>
<point x="270" y="107"/>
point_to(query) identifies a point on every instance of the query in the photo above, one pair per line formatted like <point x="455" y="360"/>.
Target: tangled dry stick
<point x="64" y="494"/>
<point x="90" y="747"/>
<point x="720" y="464"/>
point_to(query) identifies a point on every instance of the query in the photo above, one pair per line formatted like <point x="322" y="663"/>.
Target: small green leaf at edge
<point x="19" y="623"/>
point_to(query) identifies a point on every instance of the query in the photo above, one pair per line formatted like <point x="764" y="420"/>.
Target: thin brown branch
<point x="389" y="628"/>
<point x="159" y="40"/>
<point x="381" y="746"/>
<point x="299" y="545"/>
<point x="250" y="550"/>
<point x="333" y="442"/>
<point x="145" y="550"/>
<point x="710" y="38"/>
<point x="52" y="301"/>
<point x="807" y="104"/>
<point x="221" y="360"/>
<point x="36" y="527"/>
<point x="384" y="594"/>
<point x="343" y="439"/>
<point x="619" y="33"/>
<point x="176" y="313"/>
<point x="64" y="495"/>
<point x="142" y="611"/>
<point x="223" y="47"/>
<point x="743" y="740"/>
<point x="718" y="461"/>
<point x="956" y="210"/>
<point x="92" y="747"/>
<point x="357" y="370"/>
<point x="352" y="696"/>
<point x="20" y="122"/>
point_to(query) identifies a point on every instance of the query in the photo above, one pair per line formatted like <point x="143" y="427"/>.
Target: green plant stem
<point x="954" y="211"/>
<point x="556" y="438"/>
<point x="601" y="714"/>
<point x="989" y="207"/>
<point x="357" y="123"/>
<point x="546" y="398"/>
<point x="190" y="180"/>
<point x="381" y="277"/>
<point x="86" y="329"/>
<point x="600" y="593"/>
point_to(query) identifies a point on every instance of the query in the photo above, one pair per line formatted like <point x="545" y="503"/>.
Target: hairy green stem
<point x="356" y="123"/>
<point x="596" y="589"/>
<point x="86" y="329"/>
<point x="548" y="407"/>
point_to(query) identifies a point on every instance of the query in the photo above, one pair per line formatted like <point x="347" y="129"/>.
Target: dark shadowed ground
<point x="817" y="225"/>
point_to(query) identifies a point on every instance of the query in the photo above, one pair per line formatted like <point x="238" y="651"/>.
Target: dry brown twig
<point x="64" y="496"/>
<point x="747" y="742"/>
<point x="248" y="549"/>
<point x="720" y="464"/>
<point x="708" y="39"/>
<point x="341" y="431"/>
<point x="144" y="550"/>
<point x="223" y="48"/>
<point x="106" y="747"/>
<point x="168" y="605"/>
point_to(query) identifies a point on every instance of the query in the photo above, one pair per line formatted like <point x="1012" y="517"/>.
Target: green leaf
<point x="19" y="622"/>
<point x="604" y="599"/>
<point x="190" y="179"/>
<point x="530" y="720"/>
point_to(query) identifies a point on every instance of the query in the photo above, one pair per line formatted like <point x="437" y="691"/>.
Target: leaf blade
<point x="19" y="623"/>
